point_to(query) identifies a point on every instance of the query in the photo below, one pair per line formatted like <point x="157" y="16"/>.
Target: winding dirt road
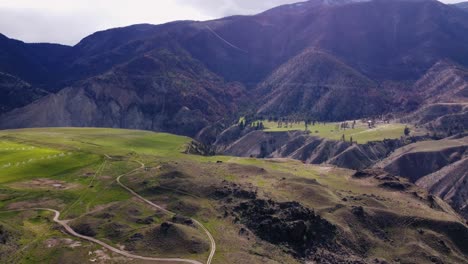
<point x="72" y="232"/>
<point x="64" y="224"/>
<point x="212" y="241"/>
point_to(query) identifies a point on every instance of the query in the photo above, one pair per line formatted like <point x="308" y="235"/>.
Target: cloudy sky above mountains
<point x="68" y="21"/>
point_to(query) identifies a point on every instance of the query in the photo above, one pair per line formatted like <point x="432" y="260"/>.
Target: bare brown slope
<point x="423" y="158"/>
<point x="163" y="90"/>
<point x="441" y="97"/>
<point x="445" y="82"/>
<point x="451" y="184"/>
<point x="300" y="146"/>
<point x="315" y="83"/>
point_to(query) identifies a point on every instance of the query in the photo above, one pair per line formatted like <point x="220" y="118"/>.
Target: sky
<point x="68" y="21"/>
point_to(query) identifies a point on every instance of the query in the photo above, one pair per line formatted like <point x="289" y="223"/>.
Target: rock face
<point x="288" y="223"/>
<point x="143" y="94"/>
<point x="300" y="146"/>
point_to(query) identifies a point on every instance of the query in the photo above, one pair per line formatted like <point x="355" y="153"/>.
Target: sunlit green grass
<point x="103" y="140"/>
<point x="360" y="134"/>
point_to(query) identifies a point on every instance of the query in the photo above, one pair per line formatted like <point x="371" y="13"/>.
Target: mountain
<point x="368" y="199"/>
<point x="378" y="49"/>
<point x="16" y="93"/>
<point x="441" y="98"/>
<point x="165" y="90"/>
<point x="397" y="40"/>
<point x="445" y="82"/>
<point x="36" y="64"/>
<point x="315" y="84"/>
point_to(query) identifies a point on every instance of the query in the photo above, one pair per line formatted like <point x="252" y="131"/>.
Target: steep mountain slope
<point x="299" y="145"/>
<point x="163" y="90"/>
<point x="386" y="41"/>
<point x="423" y="158"/>
<point x="441" y="98"/>
<point x="16" y="93"/>
<point x="440" y="167"/>
<point x="34" y="63"/>
<point x="396" y="40"/>
<point x="315" y="84"/>
<point x="445" y="82"/>
<point x="451" y="184"/>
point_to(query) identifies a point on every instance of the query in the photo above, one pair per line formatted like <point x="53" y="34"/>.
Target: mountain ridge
<point x="366" y="36"/>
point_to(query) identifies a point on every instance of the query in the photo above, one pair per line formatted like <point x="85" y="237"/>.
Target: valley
<point x="320" y="132"/>
<point x="92" y="197"/>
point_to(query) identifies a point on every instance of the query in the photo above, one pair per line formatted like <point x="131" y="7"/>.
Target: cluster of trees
<point x="346" y="125"/>
<point x="285" y="124"/>
<point x="256" y="125"/>
<point x="351" y="140"/>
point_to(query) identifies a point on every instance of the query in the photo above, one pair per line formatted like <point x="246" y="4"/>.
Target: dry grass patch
<point x="44" y="184"/>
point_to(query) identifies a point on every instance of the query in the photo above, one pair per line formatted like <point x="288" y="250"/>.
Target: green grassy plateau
<point x="360" y="134"/>
<point x="74" y="171"/>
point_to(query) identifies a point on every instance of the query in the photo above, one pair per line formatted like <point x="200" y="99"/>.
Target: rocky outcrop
<point x="289" y="224"/>
<point x="164" y="90"/>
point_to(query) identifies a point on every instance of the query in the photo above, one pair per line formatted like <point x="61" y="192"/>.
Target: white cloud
<point x="68" y="21"/>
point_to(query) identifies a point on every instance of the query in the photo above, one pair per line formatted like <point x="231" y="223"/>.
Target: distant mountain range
<point x="330" y="60"/>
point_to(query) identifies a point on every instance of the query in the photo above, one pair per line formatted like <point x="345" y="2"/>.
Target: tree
<point x="407" y="131"/>
<point x="262" y="126"/>
<point x="242" y="125"/>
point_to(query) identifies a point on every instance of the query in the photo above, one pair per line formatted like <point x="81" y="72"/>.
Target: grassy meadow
<point x="360" y="134"/>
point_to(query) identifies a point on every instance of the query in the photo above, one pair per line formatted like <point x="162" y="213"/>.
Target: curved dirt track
<point x="212" y="241"/>
<point x="109" y="247"/>
<point x="64" y="224"/>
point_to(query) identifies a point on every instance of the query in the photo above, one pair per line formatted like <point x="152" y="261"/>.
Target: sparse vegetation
<point x="206" y="188"/>
<point x="359" y="131"/>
